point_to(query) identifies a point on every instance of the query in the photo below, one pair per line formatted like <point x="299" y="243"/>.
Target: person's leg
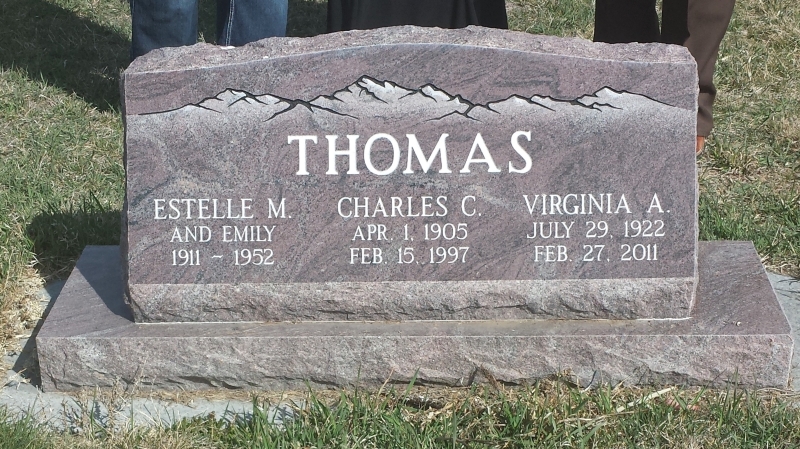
<point x="623" y="21"/>
<point x="162" y="23"/>
<point x="708" y="21"/>
<point x="368" y="14"/>
<point x="674" y="29"/>
<point x="243" y="21"/>
<point x="338" y="17"/>
<point x="489" y="13"/>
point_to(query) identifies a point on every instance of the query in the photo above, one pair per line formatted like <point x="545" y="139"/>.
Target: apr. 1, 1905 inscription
<point x="379" y="182"/>
<point x="423" y="228"/>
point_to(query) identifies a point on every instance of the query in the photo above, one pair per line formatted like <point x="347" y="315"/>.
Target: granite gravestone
<point x="515" y="183"/>
<point x="412" y="203"/>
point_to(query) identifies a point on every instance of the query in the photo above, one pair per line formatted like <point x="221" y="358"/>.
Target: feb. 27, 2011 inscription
<point x="412" y="205"/>
<point x="397" y="191"/>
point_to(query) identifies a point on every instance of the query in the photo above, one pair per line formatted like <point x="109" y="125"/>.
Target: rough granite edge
<point x="414" y="300"/>
<point x="338" y="362"/>
<point x="738" y="334"/>
<point x="208" y="55"/>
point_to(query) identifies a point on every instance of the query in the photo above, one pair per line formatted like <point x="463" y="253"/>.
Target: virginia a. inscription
<point x="382" y="182"/>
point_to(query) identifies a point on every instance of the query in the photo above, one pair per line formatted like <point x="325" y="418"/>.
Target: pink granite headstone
<point x="413" y="205"/>
<point x="411" y="174"/>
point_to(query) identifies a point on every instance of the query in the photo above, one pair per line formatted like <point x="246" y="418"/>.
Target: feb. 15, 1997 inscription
<point x="398" y="201"/>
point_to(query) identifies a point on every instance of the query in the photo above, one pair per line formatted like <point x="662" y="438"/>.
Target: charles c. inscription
<point x="456" y="191"/>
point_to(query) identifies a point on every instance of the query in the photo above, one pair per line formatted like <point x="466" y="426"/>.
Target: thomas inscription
<point x="382" y="182"/>
<point x="363" y="190"/>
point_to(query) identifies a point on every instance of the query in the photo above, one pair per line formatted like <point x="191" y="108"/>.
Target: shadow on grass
<point x="59" y="235"/>
<point x="27" y="363"/>
<point x="55" y="45"/>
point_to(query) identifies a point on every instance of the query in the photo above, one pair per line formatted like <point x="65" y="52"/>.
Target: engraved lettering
<point x="301" y="152"/>
<point x="487" y="158"/>
<point x="395" y="154"/>
<point x="415" y="149"/>
<point x="520" y="151"/>
<point x="655" y="203"/>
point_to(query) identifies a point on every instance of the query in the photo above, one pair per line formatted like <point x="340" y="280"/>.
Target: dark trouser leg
<point x="367" y="14"/>
<point x="708" y="21"/>
<point x="674" y="28"/>
<point x="622" y="21"/>
<point x="243" y="21"/>
<point x="703" y="21"/>
<point x="162" y="23"/>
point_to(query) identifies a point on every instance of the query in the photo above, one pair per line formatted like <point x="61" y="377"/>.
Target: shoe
<point x="701" y="144"/>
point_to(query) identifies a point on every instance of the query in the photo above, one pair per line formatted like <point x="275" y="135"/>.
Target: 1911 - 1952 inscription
<point x="331" y="211"/>
<point x="366" y="181"/>
<point x="638" y="238"/>
<point x="427" y="231"/>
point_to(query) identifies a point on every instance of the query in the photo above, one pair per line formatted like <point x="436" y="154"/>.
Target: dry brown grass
<point x="22" y="310"/>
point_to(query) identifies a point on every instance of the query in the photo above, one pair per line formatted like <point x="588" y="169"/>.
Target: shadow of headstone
<point x="57" y="46"/>
<point x="59" y="235"/>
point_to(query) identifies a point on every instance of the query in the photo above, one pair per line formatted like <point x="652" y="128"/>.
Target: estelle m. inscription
<point x="428" y="132"/>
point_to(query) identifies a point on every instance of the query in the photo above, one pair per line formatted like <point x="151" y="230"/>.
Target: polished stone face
<point x="411" y="173"/>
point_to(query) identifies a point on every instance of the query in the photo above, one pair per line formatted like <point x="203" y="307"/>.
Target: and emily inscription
<point x="379" y="182"/>
<point x="426" y="220"/>
<point x="458" y="180"/>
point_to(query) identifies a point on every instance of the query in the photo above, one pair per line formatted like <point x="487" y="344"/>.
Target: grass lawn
<point x="61" y="188"/>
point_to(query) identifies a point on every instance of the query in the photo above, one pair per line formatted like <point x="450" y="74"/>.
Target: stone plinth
<point x="411" y="174"/>
<point x="737" y="328"/>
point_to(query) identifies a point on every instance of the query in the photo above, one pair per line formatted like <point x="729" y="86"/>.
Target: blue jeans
<point x="173" y="23"/>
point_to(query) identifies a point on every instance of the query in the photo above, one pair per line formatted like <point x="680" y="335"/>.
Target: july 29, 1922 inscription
<point x="399" y="192"/>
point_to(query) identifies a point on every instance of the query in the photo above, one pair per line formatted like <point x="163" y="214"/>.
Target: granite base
<point x="737" y="333"/>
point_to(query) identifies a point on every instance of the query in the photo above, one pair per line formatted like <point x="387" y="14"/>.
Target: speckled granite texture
<point x="737" y="329"/>
<point x="408" y="174"/>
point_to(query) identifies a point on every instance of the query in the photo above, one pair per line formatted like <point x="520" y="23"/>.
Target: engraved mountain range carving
<point x="368" y="98"/>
